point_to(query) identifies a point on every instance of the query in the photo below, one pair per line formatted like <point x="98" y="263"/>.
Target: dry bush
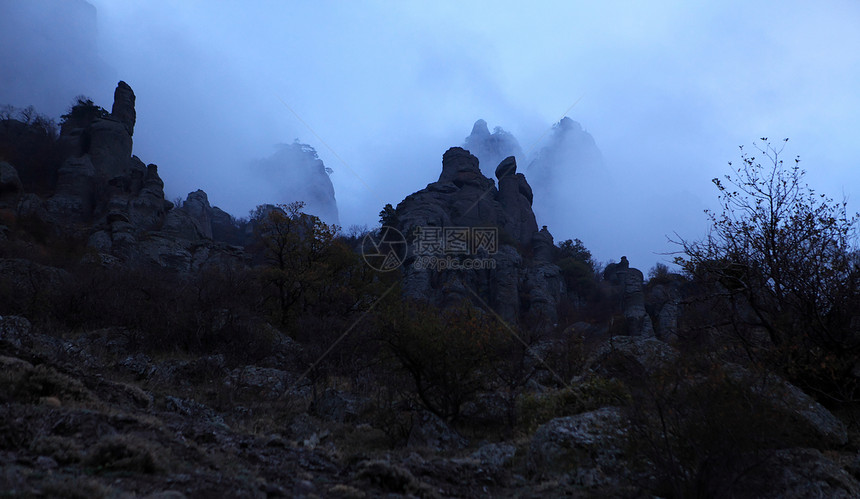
<point x="124" y="452"/>
<point x="75" y="487"/>
<point x="700" y="429"/>
<point x="64" y="450"/>
<point x="448" y="355"/>
<point x="26" y="384"/>
<point x="535" y="409"/>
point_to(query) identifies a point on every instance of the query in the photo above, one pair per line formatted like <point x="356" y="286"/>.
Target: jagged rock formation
<point x="111" y="198"/>
<point x="569" y="148"/>
<point x="521" y="284"/>
<point x="297" y="174"/>
<point x="627" y="284"/>
<point x="491" y="148"/>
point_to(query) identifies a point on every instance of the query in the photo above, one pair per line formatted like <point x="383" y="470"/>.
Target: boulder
<point x="631" y="358"/>
<point x="335" y="405"/>
<point x="432" y="433"/>
<point x="508" y="166"/>
<point x="796" y="473"/>
<point x="589" y="445"/>
<point x="14" y="330"/>
<point x="258" y="382"/>
<point x="11" y="188"/>
<point x="814" y="425"/>
<point x="497" y="455"/>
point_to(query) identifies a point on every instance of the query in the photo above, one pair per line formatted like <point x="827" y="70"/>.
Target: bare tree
<point x="788" y="253"/>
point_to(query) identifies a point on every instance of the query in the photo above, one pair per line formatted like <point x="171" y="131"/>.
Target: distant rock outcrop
<point x="491" y="148"/>
<point x="569" y="148"/>
<point x="295" y="173"/>
<point x="570" y="180"/>
<point x="112" y="199"/>
<point x="517" y="285"/>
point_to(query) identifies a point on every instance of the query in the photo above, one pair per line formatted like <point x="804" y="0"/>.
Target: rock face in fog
<point x="491" y="148"/>
<point x="297" y="174"/>
<point x="569" y="148"/>
<point x="570" y="181"/>
<point x="519" y="282"/>
<point x="109" y="197"/>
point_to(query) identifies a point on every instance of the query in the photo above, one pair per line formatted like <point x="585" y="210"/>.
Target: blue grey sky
<point x="668" y="90"/>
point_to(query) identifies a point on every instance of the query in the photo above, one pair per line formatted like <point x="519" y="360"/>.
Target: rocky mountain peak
<point x="491" y="148"/>
<point x="480" y="129"/>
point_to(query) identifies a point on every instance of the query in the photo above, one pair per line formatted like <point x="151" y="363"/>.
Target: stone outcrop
<point x="591" y="445"/>
<point x="813" y="425"/>
<point x="123" y="107"/>
<point x="518" y="287"/>
<point x="627" y="287"/>
<point x="663" y="300"/>
<point x="112" y="199"/>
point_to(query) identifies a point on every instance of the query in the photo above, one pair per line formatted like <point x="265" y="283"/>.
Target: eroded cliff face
<point x="109" y="197"/>
<point x="515" y="277"/>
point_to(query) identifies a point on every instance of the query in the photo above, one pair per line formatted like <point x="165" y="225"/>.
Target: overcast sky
<point x="668" y="90"/>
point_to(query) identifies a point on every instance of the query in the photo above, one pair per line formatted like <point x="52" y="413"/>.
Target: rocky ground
<point x="85" y="416"/>
<point x="82" y="417"/>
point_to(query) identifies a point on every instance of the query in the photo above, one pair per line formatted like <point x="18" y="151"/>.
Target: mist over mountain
<point x="570" y="149"/>
<point x="295" y="173"/>
<point x="575" y="193"/>
<point x="492" y="148"/>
